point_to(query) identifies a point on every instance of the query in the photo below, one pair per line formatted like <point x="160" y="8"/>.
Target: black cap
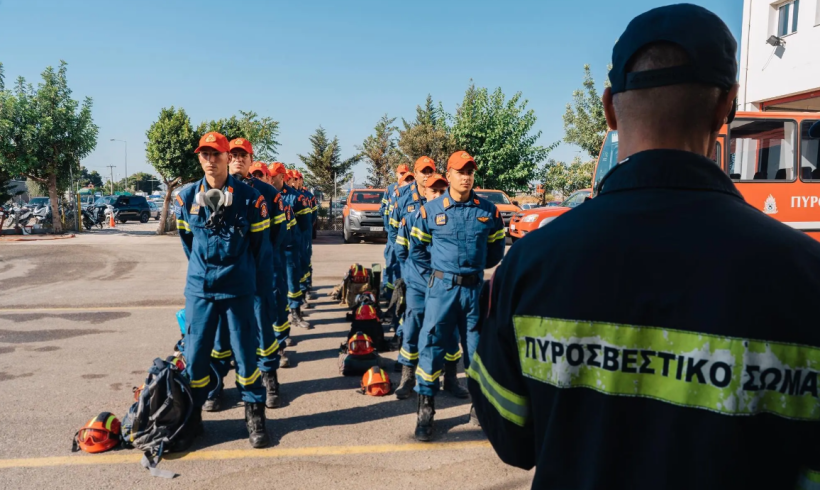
<point x="814" y="130"/>
<point x="703" y="35"/>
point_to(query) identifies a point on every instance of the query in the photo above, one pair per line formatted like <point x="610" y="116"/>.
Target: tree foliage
<point x="497" y="132"/>
<point x="261" y="132"/>
<point x="584" y="120"/>
<point x="381" y="153"/>
<point x="44" y="133"/>
<point x="87" y="177"/>
<point x="142" y="181"/>
<point x="564" y="179"/>
<point x="324" y="164"/>
<point x="428" y="135"/>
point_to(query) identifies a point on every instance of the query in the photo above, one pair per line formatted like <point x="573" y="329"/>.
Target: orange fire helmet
<point x="358" y="274"/>
<point x="375" y="382"/>
<point x="366" y="312"/>
<point x="100" y="434"/>
<point x="360" y="344"/>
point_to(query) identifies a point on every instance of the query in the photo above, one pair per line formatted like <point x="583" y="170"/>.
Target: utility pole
<point x="126" y="161"/>
<point x="112" y="167"/>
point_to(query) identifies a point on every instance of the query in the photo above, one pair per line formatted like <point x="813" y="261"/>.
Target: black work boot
<point x="290" y="342"/>
<point x="191" y="431"/>
<point x="307" y="304"/>
<point x="408" y="381"/>
<point x="311" y="295"/>
<point x="474" y="417"/>
<point x="255" y="420"/>
<point x="213" y="404"/>
<point x="451" y="384"/>
<point x="424" y="423"/>
<point x="300" y="319"/>
<point x="395" y="342"/>
<point x="272" y="389"/>
<point x="284" y="359"/>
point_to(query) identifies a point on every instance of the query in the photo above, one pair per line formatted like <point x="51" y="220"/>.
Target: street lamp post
<point x="126" y="161"/>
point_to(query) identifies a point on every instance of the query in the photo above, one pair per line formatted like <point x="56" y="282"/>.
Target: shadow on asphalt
<point x="315" y="355"/>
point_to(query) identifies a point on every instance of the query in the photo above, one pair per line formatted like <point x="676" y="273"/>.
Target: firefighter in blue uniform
<point x="293" y="252"/>
<point x="314" y="217"/>
<point x="415" y="259"/>
<point x="666" y="311"/>
<point x="241" y="152"/>
<point x="224" y="227"/>
<point x="307" y="244"/>
<point x="465" y="234"/>
<point x="406" y="185"/>
<point x="389" y="254"/>
<point x="281" y="324"/>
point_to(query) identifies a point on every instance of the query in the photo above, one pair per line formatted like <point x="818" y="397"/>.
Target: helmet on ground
<point x="358" y="274"/>
<point x="100" y="434"/>
<point x="366" y="298"/>
<point x="375" y="382"/>
<point x="360" y="344"/>
<point x="366" y="312"/>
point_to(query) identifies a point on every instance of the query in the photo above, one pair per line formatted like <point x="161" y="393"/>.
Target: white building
<point x="780" y="56"/>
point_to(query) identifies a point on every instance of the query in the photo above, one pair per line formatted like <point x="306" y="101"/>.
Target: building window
<point x="787" y="18"/>
<point x="761" y="150"/>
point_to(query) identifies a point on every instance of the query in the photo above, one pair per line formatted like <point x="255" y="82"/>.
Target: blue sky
<point x="341" y="64"/>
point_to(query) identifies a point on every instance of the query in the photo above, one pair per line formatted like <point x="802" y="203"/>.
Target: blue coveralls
<point x="415" y="261"/>
<point x="265" y="302"/>
<point x="293" y="251"/>
<point x="464" y="239"/>
<point x="226" y="267"/>
<point x="307" y="241"/>
<point x="389" y="253"/>
<point x="393" y="265"/>
<point x="281" y="323"/>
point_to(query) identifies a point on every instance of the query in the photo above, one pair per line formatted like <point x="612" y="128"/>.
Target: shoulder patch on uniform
<point x="403" y="222"/>
<point x="476" y="201"/>
<point x="446" y="203"/>
<point x="423" y="212"/>
<point x="277" y="197"/>
<point x="410" y="209"/>
<point x="441" y="219"/>
<point x="483" y="219"/>
<point x="194" y="209"/>
<point x="179" y="200"/>
<point x="259" y="202"/>
<point x="264" y="210"/>
<point x="415" y="197"/>
<point x="281" y="206"/>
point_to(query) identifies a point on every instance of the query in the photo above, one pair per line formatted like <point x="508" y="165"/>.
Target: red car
<point x="528" y="221"/>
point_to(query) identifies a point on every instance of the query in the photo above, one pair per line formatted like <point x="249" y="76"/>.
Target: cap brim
<point x="434" y="182"/>
<point x="202" y="147"/>
<point x="462" y="165"/>
<point x="426" y="165"/>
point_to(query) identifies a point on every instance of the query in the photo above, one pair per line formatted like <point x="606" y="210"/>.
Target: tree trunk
<point x="163" y="217"/>
<point x="56" y="223"/>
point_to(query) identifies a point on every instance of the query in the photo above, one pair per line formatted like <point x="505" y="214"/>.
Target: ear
<point x="609" y="109"/>
<point x="724" y="106"/>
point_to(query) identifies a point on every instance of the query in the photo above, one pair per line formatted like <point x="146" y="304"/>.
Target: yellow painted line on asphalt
<point x="226" y="454"/>
<point x="89" y="309"/>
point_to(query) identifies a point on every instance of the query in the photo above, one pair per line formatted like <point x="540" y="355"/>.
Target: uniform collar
<point x="667" y="169"/>
<point x="230" y="183"/>
<point x="447" y="199"/>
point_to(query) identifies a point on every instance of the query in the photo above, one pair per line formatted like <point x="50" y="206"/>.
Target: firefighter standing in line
<point x="306" y="214"/>
<point x="389" y="254"/>
<point x="465" y="234"/>
<point x="666" y="313"/>
<point x="415" y="260"/>
<point x="293" y="252"/>
<point x="281" y="325"/>
<point x="224" y="226"/>
<point x="310" y="201"/>
<point x="405" y="183"/>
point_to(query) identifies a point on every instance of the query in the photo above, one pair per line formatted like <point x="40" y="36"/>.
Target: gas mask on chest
<point x="217" y="201"/>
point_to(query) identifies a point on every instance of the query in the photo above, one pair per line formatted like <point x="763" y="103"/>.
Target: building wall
<point x="767" y="72"/>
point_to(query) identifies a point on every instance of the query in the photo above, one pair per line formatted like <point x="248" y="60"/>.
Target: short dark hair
<point x="683" y="108"/>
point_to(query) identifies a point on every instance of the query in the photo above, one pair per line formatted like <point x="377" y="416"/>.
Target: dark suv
<point x="127" y="207"/>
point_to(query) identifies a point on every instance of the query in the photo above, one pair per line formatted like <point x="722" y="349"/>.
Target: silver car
<point x="155" y="210"/>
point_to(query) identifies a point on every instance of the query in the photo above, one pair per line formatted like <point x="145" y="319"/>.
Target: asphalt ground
<point x="82" y="319"/>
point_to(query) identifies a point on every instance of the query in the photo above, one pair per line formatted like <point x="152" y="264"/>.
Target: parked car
<point x="502" y="201"/>
<point x="156" y="210"/>
<point x="127" y="207"/>
<point x="360" y="216"/>
<point x="529" y="205"/>
<point x="529" y="221"/>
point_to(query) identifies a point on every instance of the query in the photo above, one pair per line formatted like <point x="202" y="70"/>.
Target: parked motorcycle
<point x="20" y="217"/>
<point x="93" y="216"/>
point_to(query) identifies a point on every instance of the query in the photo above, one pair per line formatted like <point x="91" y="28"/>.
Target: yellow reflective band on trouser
<point x="303" y="212"/>
<point x="250" y="379"/>
<point x="394" y="223"/>
<point x="408" y="355"/>
<point x="499" y="235"/>
<point x="295" y="295"/>
<point x="430" y="378"/>
<point x="279" y="219"/>
<point x="390" y="285"/>
<point x="262" y="225"/>
<point x="725" y="375"/>
<point x="201" y="383"/>
<point x="809" y="480"/>
<point x="270" y="350"/>
<point x="183" y="225"/>
<point x="511" y="406"/>
<point x="453" y="357"/>
<point x="280" y="329"/>
<point x="291" y="223"/>
<point x="417" y="233"/>
<point x="221" y="355"/>
<point x="403" y="242"/>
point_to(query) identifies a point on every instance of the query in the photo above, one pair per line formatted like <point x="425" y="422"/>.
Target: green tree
<point x="428" y="135"/>
<point x="92" y="177"/>
<point x="381" y="153"/>
<point x="324" y="166"/>
<point x="44" y="133"/>
<point x="584" y="120"/>
<point x="7" y="190"/>
<point x="170" y="150"/>
<point x="142" y="181"/>
<point x="565" y="179"/>
<point x="261" y="132"/>
<point x="497" y="132"/>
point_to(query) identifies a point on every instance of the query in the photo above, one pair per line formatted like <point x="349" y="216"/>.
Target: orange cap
<point x="291" y="174"/>
<point x="402" y="169"/>
<point x="424" y="162"/>
<point x="215" y="141"/>
<point x="436" y="179"/>
<point x="298" y="174"/>
<point x="260" y="167"/>
<point x="459" y="160"/>
<point x="243" y="144"/>
<point x="278" y="168"/>
<point x="407" y="177"/>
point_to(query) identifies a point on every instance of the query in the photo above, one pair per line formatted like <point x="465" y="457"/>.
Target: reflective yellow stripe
<point x="430" y="378"/>
<point x="270" y="350"/>
<point x="262" y="225"/>
<point x="221" y="355"/>
<point x="108" y="422"/>
<point x="390" y="285"/>
<point x="499" y="235"/>
<point x="294" y="295"/>
<point x="303" y="211"/>
<point x="423" y="237"/>
<point x="183" y="225"/>
<point x="452" y="357"/>
<point x="394" y="223"/>
<point x="250" y="379"/>
<point x="408" y="355"/>
<point x="400" y="240"/>
<point x="511" y="406"/>
<point x="279" y="219"/>
<point x="291" y="223"/>
<point x="201" y="383"/>
<point x="281" y="329"/>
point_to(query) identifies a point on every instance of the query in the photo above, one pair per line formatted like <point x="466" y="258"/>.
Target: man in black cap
<point x="664" y="334"/>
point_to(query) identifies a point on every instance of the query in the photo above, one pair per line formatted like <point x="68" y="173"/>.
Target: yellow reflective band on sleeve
<point x="394" y="223"/>
<point x="453" y="357"/>
<point x="511" y="406"/>
<point x="221" y="355"/>
<point x="420" y="235"/>
<point x="183" y="225"/>
<point x="303" y="212"/>
<point x="430" y="378"/>
<point x="260" y="226"/>
<point x="400" y="240"/>
<point x="279" y="219"/>
<point x="725" y="375"/>
<point x="291" y="223"/>
<point x="250" y="379"/>
<point x="294" y="295"/>
<point x="201" y="383"/>
<point x="499" y="235"/>
<point x="809" y="480"/>
<point x="270" y="350"/>
<point x="282" y="328"/>
<point x="390" y="285"/>
<point x="408" y="355"/>
<point x="314" y="209"/>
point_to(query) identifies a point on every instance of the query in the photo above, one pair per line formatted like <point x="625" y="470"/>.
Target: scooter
<point x="20" y="216"/>
<point x="93" y="215"/>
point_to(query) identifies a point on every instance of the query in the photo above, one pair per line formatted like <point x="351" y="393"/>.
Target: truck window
<point x="607" y="159"/>
<point x="809" y="154"/>
<point x="762" y="150"/>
